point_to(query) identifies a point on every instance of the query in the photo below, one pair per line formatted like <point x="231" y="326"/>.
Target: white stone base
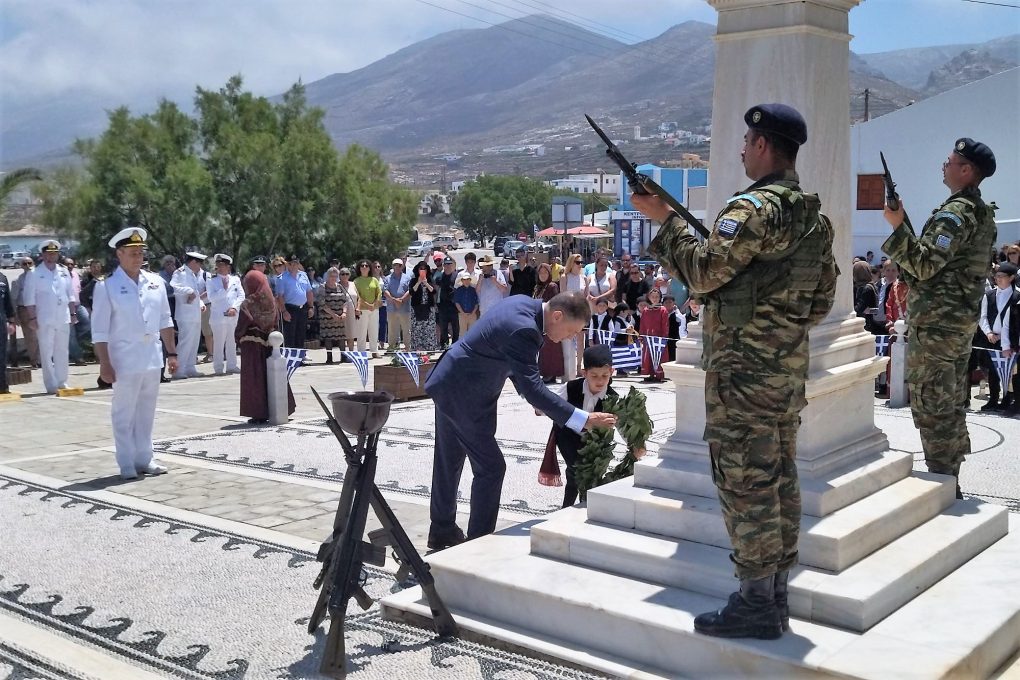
<point x="966" y="625"/>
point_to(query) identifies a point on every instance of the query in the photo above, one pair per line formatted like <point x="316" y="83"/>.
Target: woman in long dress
<point x="654" y="322"/>
<point x="333" y="307"/>
<point x="572" y="279"/>
<point x="257" y="319"/>
<point x="423" y="309"/>
<point x="550" y="357"/>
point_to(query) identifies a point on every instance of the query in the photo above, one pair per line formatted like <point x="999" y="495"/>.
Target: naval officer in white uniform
<point x="190" y="293"/>
<point x="52" y="306"/>
<point x="225" y="298"/>
<point x="130" y="314"/>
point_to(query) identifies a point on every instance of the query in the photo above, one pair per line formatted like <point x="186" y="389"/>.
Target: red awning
<point x="583" y="230"/>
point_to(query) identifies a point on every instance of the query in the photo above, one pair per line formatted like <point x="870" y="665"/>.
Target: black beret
<point x="293" y="258"/>
<point x="597" y="356"/>
<point x="778" y="119"/>
<point x="977" y="153"/>
<point x="1007" y="268"/>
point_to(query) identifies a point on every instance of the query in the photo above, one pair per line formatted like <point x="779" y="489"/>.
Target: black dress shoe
<point x="438" y="540"/>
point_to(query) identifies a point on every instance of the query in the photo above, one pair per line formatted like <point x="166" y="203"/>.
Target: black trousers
<point x="568" y="449"/>
<point x="294" y="330"/>
<point x="449" y="324"/>
<point x="3" y="354"/>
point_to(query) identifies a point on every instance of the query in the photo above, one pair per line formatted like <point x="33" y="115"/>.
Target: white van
<point x="444" y="241"/>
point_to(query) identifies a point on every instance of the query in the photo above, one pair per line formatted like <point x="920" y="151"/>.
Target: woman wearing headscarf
<point x="423" y="309"/>
<point x="257" y="319"/>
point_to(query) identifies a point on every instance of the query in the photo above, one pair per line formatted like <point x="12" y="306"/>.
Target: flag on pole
<point x="881" y="345"/>
<point x="294" y="357"/>
<point x="360" y="361"/>
<point x="607" y="337"/>
<point x="627" y="358"/>
<point x="655" y="346"/>
<point x="1004" y="367"/>
<point x="410" y="361"/>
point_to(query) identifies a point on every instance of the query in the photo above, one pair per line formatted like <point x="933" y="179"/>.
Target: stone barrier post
<point x="898" y="397"/>
<point x="276" y="381"/>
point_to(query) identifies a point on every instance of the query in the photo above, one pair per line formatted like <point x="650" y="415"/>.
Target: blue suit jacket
<point x="503" y="344"/>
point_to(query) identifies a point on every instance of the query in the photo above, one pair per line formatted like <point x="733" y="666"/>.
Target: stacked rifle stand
<point x="342" y="555"/>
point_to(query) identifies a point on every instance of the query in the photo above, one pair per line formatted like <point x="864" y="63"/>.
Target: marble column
<point x="796" y="53"/>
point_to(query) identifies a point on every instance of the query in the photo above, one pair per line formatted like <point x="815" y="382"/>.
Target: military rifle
<point x="641" y="183"/>
<point x="344" y="553"/>
<point x="892" y="199"/>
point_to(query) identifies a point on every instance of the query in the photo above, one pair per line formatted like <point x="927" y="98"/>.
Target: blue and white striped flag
<point x="607" y="337"/>
<point x="294" y="357"/>
<point x="410" y="360"/>
<point x="655" y="346"/>
<point x="360" y="361"/>
<point x="881" y="345"/>
<point x="1004" y="367"/>
<point x="627" y="358"/>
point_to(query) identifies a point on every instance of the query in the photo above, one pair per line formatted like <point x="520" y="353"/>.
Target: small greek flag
<point x="360" y="361"/>
<point x="410" y="360"/>
<point x="655" y="346"/>
<point x="1004" y="367"/>
<point x="607" y="337"/>
<point x="881" y="345"/>
<point x="295" y="357"/>
<point x="627" y="358"/>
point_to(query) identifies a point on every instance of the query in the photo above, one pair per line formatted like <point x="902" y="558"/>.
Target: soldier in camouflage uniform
<point x="766" y="276"/>
<point x="945" y="268"/>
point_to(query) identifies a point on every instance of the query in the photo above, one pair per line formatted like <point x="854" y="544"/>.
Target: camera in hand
<point x="489" y="274"/>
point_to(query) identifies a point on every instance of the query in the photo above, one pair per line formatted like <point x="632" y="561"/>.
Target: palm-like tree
<point x="11" y="180"/>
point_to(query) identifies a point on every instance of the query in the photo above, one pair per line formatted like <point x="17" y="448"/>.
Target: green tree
<point x="246" y="176"/>
<point x="495" y="204"/>
<point x="15" y="178"/>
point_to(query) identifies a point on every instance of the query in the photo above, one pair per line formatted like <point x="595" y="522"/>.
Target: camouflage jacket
<point x="762" y="249"/>
<point x="946" y="265"/>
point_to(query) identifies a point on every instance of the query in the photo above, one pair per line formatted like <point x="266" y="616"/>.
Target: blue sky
<point x="142" y="49"/>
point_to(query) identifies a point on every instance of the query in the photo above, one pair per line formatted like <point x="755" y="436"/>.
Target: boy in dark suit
<point x="586" y="393"/>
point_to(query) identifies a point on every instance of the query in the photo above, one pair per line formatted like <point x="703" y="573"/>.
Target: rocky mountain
<point x="525" y="82"/>
<point x="964" y="68"/>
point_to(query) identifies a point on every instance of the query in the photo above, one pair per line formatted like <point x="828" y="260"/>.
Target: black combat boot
<point x="750" y="613"/>
<point x="1007" y="402"/>
<point x="329" y="356"/>
<point x="782" y="592"/>
<point x="992" y="405"/>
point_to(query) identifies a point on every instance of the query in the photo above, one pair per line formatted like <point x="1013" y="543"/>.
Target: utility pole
<point x="867" y="104"/>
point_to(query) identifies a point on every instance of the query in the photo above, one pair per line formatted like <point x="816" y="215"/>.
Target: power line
<point x="546" y="7"/>
<point x="996" y="4"/>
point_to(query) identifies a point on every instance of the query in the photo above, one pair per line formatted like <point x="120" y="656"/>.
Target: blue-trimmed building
<point x="677" y="181"/>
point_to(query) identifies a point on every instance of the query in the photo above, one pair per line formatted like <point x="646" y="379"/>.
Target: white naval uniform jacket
<point x="185" y="282"/>
<point x="221" y="299"/>
<point x="51" y="292"/>
<point x="128" y="316"/>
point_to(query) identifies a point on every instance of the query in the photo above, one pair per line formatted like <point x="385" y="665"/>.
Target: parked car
<point x="499" y="242"/>
<point x="540" y="247"/>
<point x="445" y="241"/>
<point x="10" y="260"/>
<point x="510" y="247"/>
<point x="419" y="248"/>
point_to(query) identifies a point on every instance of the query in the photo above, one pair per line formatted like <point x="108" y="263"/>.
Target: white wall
<point x="918" y="138"/>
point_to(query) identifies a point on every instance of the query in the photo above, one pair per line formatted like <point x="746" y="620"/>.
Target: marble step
<point x="855" y="598"/>
<point x="834" y="542"/>
<point x="691" y="474"/>
<point x="966" y="625"/>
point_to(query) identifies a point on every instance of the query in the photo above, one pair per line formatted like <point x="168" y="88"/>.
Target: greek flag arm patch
<point x="943" y="241"/>
<point x="952" y="217"/>
<point x="747" y="197"/>
<point x="728" y="227"/>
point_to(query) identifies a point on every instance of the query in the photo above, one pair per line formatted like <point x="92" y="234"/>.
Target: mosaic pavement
<point x="192" y="601"/>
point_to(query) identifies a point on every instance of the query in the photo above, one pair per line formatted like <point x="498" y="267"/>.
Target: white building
<point x="591" y="183"/>
<point x="917" y="139"/>
<point x="425" y="204"/>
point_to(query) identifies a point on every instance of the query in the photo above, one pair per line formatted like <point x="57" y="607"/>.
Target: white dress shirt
<point x="224" y="296"/>
<point x="186" y="282"/>
<point x="51" y="291"/>
<point x="128" y="316"/>
<point x="1001" y="320"/>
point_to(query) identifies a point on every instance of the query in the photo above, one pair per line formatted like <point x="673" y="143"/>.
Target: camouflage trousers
<point x="751" y="430"/>
<point x="940" y="394"/>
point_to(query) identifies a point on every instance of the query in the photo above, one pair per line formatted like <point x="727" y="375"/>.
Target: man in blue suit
<point x="465" y="386"/>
